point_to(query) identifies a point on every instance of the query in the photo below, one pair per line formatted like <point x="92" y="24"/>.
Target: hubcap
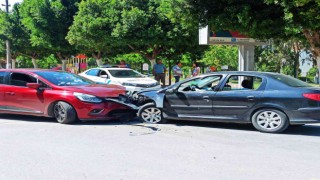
<point x="269" y="120"/>
<point x="151" y="115"/>
<point x="59" y="112"/>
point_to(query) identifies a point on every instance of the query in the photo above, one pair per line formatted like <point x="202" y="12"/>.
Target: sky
<point x="11" y="2"/>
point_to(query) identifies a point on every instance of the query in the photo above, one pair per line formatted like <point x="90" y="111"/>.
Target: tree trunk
<point x="63" y="61"/>
<point x="13" y="63"/>
<point x="318" y="66"/>
<point x="313" y="38"/>
<point x="99" y="62"/>
<point x="64" y="65"/>
<point x="153" y="62"/>
<point x="98" y="58"/>
<point x="34" y="62"/>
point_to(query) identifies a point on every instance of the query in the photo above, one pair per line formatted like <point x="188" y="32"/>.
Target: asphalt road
<point x="40" y="148"/>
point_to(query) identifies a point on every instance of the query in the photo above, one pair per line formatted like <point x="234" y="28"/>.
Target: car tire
<point x="270" y="121"/>
<point x="149" y="113"/>
<point x="64" y="113"/>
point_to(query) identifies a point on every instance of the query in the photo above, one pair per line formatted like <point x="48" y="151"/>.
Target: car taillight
<point x="315" y="97"/>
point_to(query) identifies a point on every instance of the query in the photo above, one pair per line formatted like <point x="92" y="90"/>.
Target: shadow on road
<point x="234" y="126"/>
<point x="26" y="118"/>
<point x="306" y="130"/>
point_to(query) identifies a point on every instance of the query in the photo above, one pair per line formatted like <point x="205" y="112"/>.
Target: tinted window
<point x="124" y="73"/>
<point x="19" y="79"/>
<point x="290" y="81"/>
<point x="2" y="74"/>
<point x="93" y="72"/>
<point x="64" y="78"/>
<point x="242" y="83"/>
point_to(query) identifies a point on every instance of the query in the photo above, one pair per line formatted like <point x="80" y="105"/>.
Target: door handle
<point x="10" y="93"/>
<point x="206" y="98"/>
<point x="250" y="98"/>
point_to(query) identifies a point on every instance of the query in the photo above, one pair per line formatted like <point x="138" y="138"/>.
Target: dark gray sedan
<point x="270" y="101"/>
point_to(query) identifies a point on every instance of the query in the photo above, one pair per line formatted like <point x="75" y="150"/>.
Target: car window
<point x="290" y="81"/>
<point x="93" y="72"/>
<point x="238" y="82"/>
<point x="102" y="73"/>
<point x="2" y="75"/>
<point x="61" y="78"/>
<point x="20" y="79"/>
<point x="124" y="73"/>
<point x="201" y="84"/>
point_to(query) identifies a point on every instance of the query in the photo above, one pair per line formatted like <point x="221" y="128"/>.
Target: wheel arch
<point x="50" y="109"/>
<point x="268" y="107"/>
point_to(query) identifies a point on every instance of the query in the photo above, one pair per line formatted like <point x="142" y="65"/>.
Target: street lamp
<point x="8" y="66"/>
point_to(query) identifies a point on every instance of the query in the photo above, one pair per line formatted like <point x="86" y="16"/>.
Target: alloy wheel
<point x="269" y="120"/>
<point x="151" y="115"/>
<point x="59" y="112"/>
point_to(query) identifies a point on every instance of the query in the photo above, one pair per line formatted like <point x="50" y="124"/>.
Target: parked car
<point x="62" y="95"/>
<point x="270" y="101"/>
<point x="132" y="80"/>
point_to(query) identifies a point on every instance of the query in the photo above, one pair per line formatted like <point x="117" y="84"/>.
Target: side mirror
<point x="193" y="88"/>
<point x="33" y="85"/>
<point x="104" y="76"/>
<point x="171" y="91"/>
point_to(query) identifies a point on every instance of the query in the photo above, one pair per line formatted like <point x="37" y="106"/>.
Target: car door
<point x="2" y="86"/>
<point x="237" y="96"/>
<point x="193" y="99"/>
<point x="19" y="98"/>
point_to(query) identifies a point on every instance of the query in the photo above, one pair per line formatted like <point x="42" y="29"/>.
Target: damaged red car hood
<point x="100" y="90"/>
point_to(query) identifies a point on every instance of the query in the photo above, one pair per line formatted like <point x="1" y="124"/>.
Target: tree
<point x="48" y="22"/>
<point x="11" y="28"/>
<point x="147" y="27"/>
<point x="276" y="19"/>
<point x="221" y="55"/>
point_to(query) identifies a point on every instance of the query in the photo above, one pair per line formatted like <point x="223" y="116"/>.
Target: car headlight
<point x="87" y="98"/>
<point x="128" y="84"/>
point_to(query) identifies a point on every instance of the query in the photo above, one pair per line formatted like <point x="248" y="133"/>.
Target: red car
<point x="62" y="95"/>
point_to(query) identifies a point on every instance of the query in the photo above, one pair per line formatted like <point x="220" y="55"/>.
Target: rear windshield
<point x="61" y="78"/>
<point x="290" y="81"/>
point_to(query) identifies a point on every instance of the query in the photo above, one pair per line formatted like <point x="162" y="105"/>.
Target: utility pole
<point x="9" y="60"/>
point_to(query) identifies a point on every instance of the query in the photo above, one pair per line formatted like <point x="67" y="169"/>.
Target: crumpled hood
<point x="99" y="90"/>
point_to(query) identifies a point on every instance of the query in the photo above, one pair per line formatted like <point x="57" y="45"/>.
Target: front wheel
<point x="270" y="121"/>
<point x="151" y="114"/>
<point x="64" y="113"/>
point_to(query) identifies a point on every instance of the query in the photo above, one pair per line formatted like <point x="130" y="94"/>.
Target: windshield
<point x="121" y="73"/>
<point x="290" y="81"/>
<point x="61" y="78"/>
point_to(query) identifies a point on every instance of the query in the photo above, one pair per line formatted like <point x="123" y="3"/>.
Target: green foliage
<point x="221" y="55"/>
<point x="146" y="26"/>
<point x="12" y="29"/>
<point x="313" y="71"/>
<point x="48" y="62"/>
<point x="44" y="63"/>
<point x="48" y="22"/>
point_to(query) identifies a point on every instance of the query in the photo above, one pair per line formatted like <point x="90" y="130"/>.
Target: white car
<point x="132" y="80"/>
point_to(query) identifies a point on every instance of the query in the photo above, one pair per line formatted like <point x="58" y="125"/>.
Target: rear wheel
<point x="64" y="113"/>
<point x="270" y="121"/>
<point x="151" y="114"/>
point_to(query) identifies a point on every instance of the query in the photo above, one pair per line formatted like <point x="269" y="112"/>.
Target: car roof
<point x="242" y="73"/>
<point x="114" y="68"/>
<point x="25" y="70"/>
